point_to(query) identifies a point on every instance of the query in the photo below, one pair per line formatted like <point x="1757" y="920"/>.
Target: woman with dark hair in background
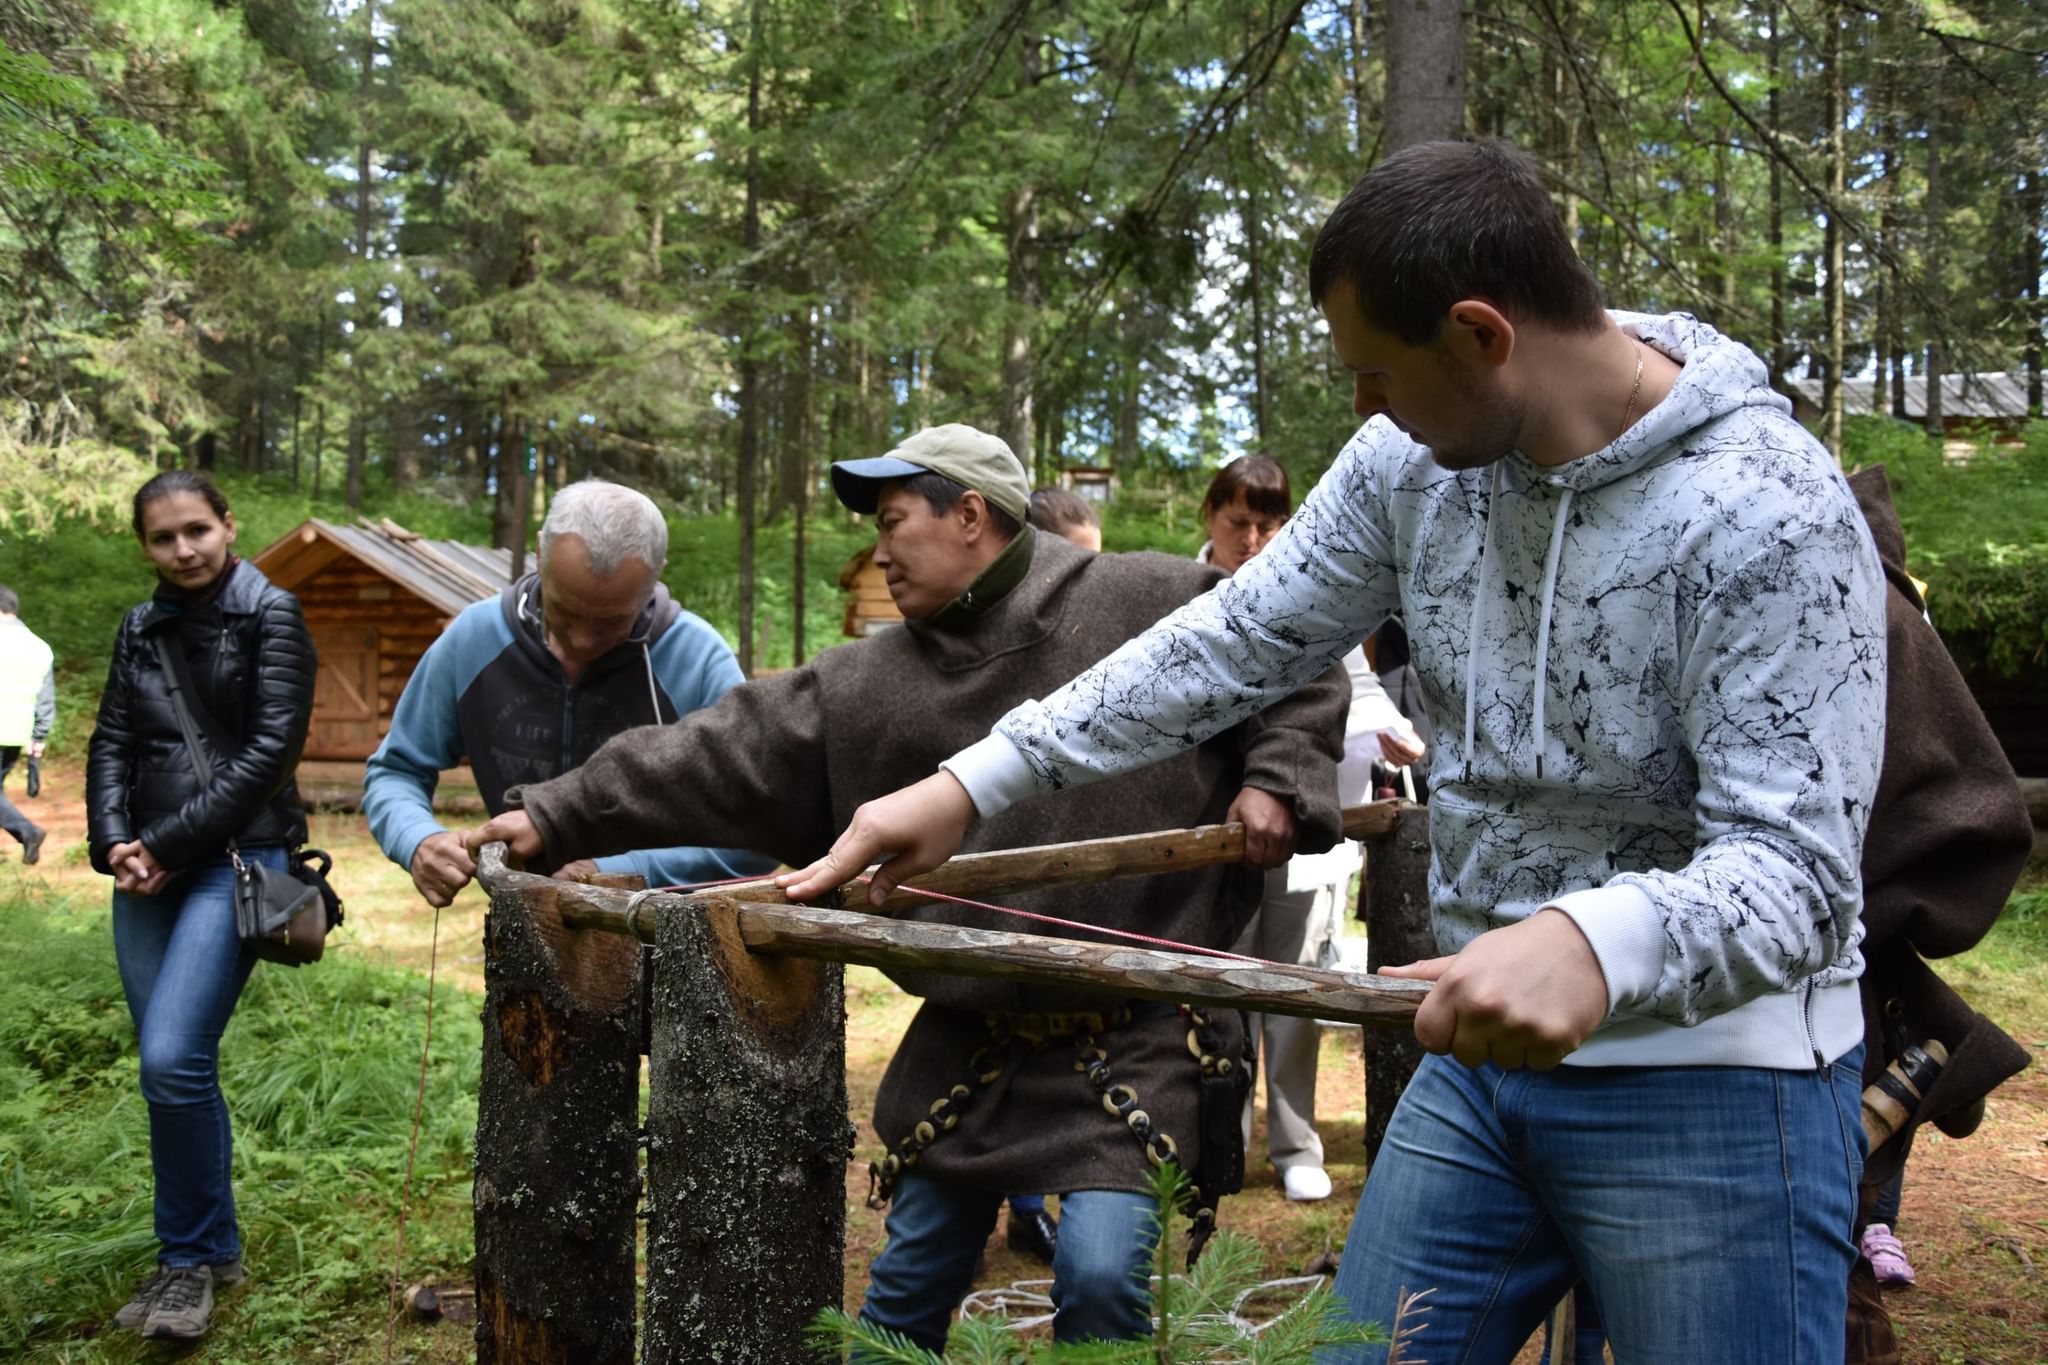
<point x="1062" y="512"/>
<point x="1298" y="921"/>
<point x="168" y="835"/>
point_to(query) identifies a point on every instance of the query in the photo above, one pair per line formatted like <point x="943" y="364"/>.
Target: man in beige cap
<point x="993" y="614"/>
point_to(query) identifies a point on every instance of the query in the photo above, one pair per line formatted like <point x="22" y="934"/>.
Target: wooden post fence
<point x="747" y="1129"/>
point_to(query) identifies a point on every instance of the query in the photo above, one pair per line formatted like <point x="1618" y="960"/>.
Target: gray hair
<point x="614" y="522"/>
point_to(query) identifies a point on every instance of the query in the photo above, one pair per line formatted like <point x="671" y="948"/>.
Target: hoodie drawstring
<point x="1564" y="503"/>
<point x="1479" y="605"/>
<point x="1479" y="600"/>
<point x="653" y="696"/>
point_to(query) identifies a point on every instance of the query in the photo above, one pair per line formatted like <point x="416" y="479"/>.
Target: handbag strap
<point x="177" y="677"/>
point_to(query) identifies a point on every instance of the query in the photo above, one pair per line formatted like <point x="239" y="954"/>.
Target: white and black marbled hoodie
<point x="1656" y="672"/>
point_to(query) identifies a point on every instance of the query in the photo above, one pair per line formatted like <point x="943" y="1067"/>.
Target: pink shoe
<point x="1887" y="1256"/>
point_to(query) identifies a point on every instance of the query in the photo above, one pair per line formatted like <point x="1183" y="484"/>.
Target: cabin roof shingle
<point x="445" y="573"/>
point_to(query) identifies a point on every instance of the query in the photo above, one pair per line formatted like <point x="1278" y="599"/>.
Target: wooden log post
<point x="1394" y="903"/>
<point x="748" y="1141"/>
<point x="557" y="1161"/>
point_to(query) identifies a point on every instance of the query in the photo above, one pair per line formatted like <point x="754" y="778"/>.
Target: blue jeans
<point x="1708" y="1207"/>
<point x="183" y="968"/>
<point x="1100" y="1271"/>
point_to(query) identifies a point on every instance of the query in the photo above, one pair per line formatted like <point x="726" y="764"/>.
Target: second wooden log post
<point x="1394" y="897"/>
<point x="748" y="1142"/>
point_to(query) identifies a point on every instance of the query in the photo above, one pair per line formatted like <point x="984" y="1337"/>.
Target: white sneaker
<point x="1305" y="1184"/>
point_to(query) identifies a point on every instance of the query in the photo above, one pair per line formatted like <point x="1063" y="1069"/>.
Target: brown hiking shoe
<point x="184" y="1305"/>
<point x="135" y="1312"/>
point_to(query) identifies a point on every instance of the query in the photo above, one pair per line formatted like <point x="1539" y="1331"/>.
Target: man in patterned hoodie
<point x="1649" y="627"/>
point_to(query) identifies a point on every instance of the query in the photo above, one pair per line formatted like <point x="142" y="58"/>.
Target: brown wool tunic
<point x="779" y="765"/>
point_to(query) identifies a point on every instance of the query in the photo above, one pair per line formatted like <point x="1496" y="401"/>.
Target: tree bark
<point x="556" y="1154"/>
<point x="747" y="474"/>
<point x="1837" y="243"/>
<point x="748" y="1142"/>
<point x="1020" y="318"/>
<point x="2032" y="198"/>
<point x="1255" y="286"/>
<point x="366" y="310"/>
<point x="1934" y="256"/>
<point x="1425" y="66"/>
<point x="1395" y="907"/>
<point x="802" y="442"/>
<point x="1355" y="13"/>
<point x="1780" y="357"/>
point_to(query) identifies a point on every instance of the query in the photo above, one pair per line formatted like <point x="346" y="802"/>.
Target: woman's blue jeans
<point x="1100" y="1271"/>
<point x="183" y="967"/>
<point x="1708" y="1207"/>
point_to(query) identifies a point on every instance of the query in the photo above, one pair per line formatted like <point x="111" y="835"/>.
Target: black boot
<point x="1035" y="1234"/>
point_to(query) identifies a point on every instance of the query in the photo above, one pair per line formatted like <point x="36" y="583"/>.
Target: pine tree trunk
<point x="1780" y="357"/>
<point x="748" y="471"/>
<point x="1020" y="317"/>
<point x="1255" y="287"/>
<point x="1360" y="141"/>
<point x="1937" y="320"/>
<point x="803" y="439"/>
<point x="2032" y="199"/>
<point x="1425" y="66"/>
<point x="366" y="309"/>
<point x="1838" y="193"/>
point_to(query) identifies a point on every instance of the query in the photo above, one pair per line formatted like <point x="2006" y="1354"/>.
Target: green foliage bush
<point x="1976" y="531"/>
<point x="319" y="1067"/>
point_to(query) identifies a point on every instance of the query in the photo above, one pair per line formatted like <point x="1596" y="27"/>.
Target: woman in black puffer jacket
<point x="162" y="831"/>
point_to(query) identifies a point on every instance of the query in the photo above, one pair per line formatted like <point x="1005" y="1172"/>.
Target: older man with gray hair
<point x="529" y="684"/>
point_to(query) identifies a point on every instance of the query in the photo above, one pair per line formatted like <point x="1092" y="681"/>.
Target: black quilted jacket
<point x="251" y="660"/>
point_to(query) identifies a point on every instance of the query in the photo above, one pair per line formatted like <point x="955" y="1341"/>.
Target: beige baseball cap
<point x="967" y="455"/>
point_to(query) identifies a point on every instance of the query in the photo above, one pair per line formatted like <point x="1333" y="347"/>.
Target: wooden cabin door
<point x="344" y="693"/>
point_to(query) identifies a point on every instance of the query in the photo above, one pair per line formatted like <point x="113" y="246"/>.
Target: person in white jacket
<point x="1299" y="916"/>
<point x="1648" y="623"/>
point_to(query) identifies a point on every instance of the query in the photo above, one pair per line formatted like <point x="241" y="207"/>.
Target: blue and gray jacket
<point x="488" y="690"/>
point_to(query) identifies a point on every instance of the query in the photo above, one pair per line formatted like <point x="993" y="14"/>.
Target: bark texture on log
<point x="1395" y="908"/>
<point x="1147" y="973"/>
<point x="748" y="1141"/>
<point x="1079" y="863"/>
<point x="557" y="1169"/>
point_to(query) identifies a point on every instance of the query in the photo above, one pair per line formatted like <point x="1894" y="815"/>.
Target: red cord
<point x="1166" y="943"/>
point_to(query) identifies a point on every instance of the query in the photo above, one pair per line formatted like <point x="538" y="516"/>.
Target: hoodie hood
<point x="1717" y="378"/>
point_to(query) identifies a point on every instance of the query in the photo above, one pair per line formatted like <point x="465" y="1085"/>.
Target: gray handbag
<point x="283" y="915"/>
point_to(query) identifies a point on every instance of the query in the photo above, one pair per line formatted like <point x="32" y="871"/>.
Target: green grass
<point x="319" y="1068"/>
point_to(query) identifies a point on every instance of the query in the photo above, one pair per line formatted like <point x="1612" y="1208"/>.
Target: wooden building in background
<point x="869" y="607"/>
<point x="375" y="596"/>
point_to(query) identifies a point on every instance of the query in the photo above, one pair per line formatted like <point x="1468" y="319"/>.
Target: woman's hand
<point x="1401" y="747"/>
<point x="136" y="870"/>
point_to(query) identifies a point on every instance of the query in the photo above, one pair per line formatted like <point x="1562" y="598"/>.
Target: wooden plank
<point x="1074" y="864"/>
<point x="1033" y="959"/>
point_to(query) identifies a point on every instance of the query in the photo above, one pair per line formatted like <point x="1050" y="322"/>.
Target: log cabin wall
<point x="371" y="634"/>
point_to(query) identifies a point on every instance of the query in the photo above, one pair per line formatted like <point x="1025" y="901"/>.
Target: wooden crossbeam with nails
<point x="769" y="924"/>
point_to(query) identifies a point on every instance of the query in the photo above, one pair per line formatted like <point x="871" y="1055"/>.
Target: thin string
<point x="1146" y="939"/>
<point x="419" y="1105"/>
<point x="1076" y="924"/>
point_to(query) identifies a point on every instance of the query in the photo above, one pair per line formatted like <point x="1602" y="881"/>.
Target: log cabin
<point x="375" y="596"/>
